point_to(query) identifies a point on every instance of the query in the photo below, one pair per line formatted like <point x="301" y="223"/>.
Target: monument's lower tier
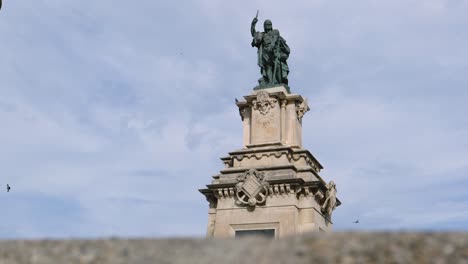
<point x="258" y="204"/>
<point x="289" y="207"/>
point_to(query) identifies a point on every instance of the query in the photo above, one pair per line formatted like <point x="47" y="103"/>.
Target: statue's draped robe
<point x="266" y="53"/>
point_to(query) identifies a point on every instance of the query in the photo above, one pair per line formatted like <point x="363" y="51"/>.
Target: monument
<point x="271" y="186"/>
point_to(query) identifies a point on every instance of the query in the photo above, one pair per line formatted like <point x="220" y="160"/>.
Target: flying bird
<point x="7" y="186"/>
<point x="356" y="222"/>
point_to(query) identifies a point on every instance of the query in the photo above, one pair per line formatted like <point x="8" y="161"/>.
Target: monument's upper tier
<point x="272" y="117"/>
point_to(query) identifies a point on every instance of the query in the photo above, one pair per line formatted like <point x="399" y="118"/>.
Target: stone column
<point x="246" y="113"/>
<point x="283" y="121"/>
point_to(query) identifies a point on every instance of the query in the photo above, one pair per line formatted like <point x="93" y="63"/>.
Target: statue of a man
<point x="272" y="54"/>
<point x="330" y="199"/>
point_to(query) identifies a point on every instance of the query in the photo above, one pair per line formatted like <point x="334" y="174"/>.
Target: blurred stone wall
<point x="313" y="248"/>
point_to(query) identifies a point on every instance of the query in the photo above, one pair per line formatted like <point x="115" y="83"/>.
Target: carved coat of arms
<point x="251" y="188"/>
<point x="263" y="104"/>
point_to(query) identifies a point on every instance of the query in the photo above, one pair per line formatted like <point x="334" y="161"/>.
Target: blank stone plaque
<point x="270" y="233"/>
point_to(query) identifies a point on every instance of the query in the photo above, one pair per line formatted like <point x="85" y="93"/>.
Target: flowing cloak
<point x="284" y="51"/>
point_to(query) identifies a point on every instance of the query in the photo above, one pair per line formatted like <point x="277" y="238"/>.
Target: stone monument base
<point x="271" y="186"/>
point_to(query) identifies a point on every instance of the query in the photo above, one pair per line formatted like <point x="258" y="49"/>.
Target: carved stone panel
<point x="265" y="127"/>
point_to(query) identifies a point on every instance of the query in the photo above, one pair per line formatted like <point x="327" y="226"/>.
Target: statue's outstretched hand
<point x="255" y="20"/>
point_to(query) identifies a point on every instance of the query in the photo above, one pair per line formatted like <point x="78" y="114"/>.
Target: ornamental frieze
<point x="259" y="156"/>
<point x="293" y="158"/>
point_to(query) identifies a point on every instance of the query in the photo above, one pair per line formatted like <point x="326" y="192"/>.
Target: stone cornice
<point x="260" y="168"/>
<point x="277" y="186"/>
<point x="292" y="154"/>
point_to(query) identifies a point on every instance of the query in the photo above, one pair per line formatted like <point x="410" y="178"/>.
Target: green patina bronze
<point x="272" y="55"/>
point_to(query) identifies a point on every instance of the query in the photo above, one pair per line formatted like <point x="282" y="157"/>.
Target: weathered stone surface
<point x="313" y="248"/>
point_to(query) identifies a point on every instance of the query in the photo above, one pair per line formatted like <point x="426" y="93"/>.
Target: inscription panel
<point x="269" y="233"/>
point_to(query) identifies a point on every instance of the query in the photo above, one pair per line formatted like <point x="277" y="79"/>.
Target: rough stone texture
<point x="311" y="248"/>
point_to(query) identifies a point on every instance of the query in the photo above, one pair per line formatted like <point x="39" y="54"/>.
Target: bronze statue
<point x="272" y="55"/>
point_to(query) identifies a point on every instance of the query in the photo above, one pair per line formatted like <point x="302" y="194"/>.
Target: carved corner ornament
<point x="242" y="112"/>
<point x="301" y="109"/>
<point x="330" y="199"/>
<point x="251" y="189"/>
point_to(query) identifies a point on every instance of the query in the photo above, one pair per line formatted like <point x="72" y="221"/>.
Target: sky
<point x="114" y="113"/>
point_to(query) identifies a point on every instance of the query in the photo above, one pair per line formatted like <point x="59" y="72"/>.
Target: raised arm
<point x="252" y="27"/>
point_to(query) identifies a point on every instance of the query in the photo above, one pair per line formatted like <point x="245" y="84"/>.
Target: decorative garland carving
<point x="251" y="188"/>
<point x="291" y="157"/>
<point x="259" y="156"/>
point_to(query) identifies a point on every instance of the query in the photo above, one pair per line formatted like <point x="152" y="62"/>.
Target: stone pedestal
<point x="272" y="185"/>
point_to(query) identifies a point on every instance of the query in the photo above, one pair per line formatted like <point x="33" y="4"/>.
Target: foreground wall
<point x="314" y="248"/>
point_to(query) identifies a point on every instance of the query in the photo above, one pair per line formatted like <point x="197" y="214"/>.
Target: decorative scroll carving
<point x="263" y="104"/>
<point x="330" y="201"/>
<point x="251" y="188"/>
<point x="301" y="109"/>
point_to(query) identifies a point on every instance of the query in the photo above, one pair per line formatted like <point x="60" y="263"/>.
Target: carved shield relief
<point x="251" y="188"/>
